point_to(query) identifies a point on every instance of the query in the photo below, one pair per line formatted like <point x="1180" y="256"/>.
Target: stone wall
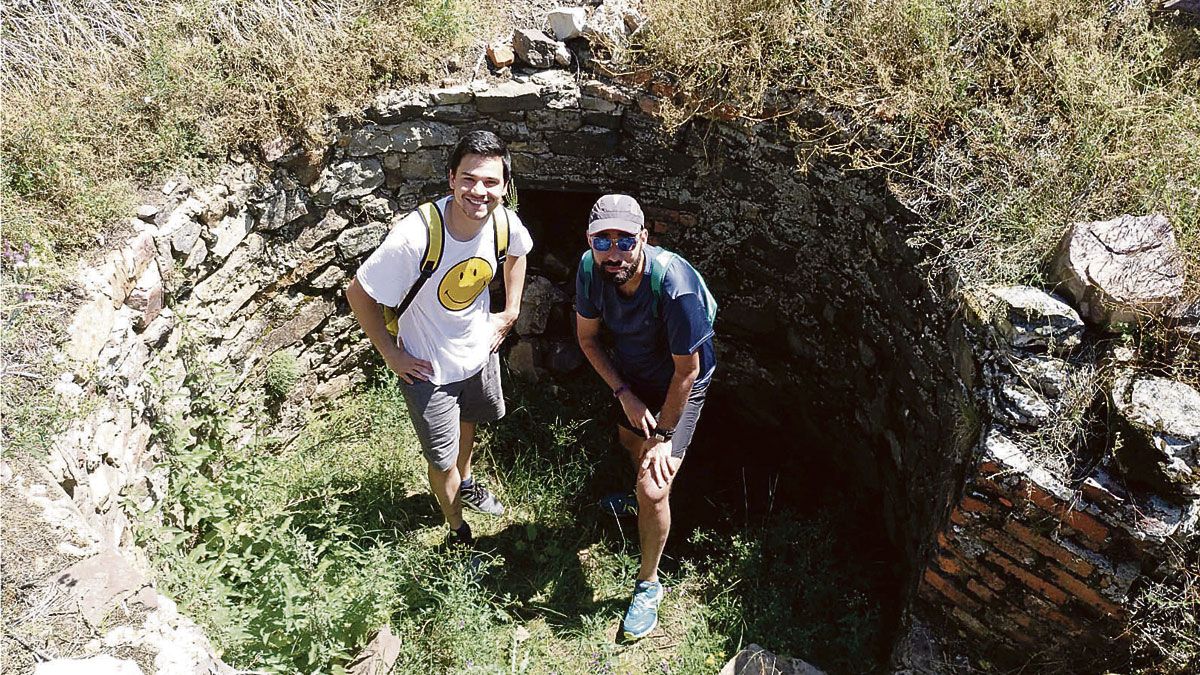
<point x="1041" y="560"/>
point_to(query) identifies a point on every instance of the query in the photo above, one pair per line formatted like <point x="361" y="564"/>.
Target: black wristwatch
<point x="662" y="435"/>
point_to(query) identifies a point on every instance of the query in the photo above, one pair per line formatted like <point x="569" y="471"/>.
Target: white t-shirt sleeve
<point x="519" y="241"/>
<point x="389" y="272"/>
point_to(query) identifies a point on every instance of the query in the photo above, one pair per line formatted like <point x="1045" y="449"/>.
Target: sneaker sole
<point x="638" y="636"/>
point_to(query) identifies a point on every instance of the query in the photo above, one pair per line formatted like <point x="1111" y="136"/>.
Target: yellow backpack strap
<point x="500" y="231"/>
<point x="435" y="246"/>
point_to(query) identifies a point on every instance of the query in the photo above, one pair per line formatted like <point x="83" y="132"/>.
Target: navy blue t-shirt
<point x="644" y="343"/>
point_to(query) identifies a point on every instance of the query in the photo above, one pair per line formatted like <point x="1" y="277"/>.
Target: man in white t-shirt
<point x="445" y="348"/>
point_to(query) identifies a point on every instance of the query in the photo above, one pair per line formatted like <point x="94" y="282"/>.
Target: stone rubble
<point x="1160" y="419"/>
<point x="754" y="660"/>
<point x="536" y="49"/>
<point x="1030" y="557"/>
<point x="1029" y="317"/>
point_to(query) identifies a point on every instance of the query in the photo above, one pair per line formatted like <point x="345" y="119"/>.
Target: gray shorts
<point x="686" y="427"/>
<point x="437" y="409"/>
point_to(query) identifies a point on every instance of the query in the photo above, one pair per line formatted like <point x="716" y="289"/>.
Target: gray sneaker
<point x="479" y="498"/>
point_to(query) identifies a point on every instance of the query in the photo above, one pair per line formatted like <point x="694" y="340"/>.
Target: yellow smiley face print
<point x="463" y="283"/>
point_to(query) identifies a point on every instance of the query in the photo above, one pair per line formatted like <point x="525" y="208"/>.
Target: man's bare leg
<point x="445" y="486"/>
<point x="466" y="447"/>
<point x="654" y="508"/>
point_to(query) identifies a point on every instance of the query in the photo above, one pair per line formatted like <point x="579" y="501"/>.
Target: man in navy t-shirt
<point x="660" y="314"/>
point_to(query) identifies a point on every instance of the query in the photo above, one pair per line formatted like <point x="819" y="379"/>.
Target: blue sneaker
<point x="642" y="615"/>
<point x="619" y="504"/>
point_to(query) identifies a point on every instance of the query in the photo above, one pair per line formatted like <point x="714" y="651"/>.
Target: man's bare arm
<point x="370" y="316"/>
<point x="687" y="369"/>
<point x="514" y="288"/>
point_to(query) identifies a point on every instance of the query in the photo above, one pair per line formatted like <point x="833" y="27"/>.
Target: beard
<point x="618" y="273"/>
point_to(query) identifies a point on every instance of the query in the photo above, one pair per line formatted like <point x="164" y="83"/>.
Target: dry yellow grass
<point x="1001" y="122"/>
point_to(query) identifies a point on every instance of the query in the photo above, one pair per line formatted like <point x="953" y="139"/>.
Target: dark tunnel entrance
<point x="814" y="530"/>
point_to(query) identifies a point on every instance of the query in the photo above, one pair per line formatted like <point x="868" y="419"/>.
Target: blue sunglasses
<point x="623" y="243"/>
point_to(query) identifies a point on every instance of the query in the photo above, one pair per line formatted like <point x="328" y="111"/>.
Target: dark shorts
<point x="437" y="409"/>
<point x="686" y="427"/>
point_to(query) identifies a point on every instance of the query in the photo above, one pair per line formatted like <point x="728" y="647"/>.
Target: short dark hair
<point x="485" y="144"/>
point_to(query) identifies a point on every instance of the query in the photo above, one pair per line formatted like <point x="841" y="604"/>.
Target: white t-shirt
<point x="447" y="322"/>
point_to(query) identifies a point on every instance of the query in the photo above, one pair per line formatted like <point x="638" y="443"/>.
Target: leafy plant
<point x="282" y="373"/>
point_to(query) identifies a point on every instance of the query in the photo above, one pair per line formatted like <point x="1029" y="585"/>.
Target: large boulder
<point x="1029" y="318"/>
<point x="1121" y="270"/>
<point x="1160" y="421"/>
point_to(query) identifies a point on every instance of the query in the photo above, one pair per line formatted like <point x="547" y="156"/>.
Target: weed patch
<point x="102" y="97"/>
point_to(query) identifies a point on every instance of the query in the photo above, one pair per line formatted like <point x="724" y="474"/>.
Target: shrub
<point x="281" y="375"/>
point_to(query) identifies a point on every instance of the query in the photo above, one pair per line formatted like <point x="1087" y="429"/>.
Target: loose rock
<point x="567" y="22"/>
<point x="501" y="56"/>
<point x="1031" y="318"/>
<point x="1120" y="270"/>
<point x="538" y="49"/>
<point x="1161" y="420"/>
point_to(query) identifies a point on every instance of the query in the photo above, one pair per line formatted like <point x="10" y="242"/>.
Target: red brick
<point x="663" y="89"/>
<point x="973" y="624"/>
<point x="1093" y="530"/>
<point x="949" y="565"/>
<point x="943" y="540"/>
<point x="982" y="592"/>
<point x="957" y="517"/>
<point x="1087" y="595"/>
<point x="1049" y="548"/>
<point x="989" y="468"/>
<point x="990" y="486"/>
<point x="1009" y="546"/>
<point x="1021" y="619"/>
<point x="1044" y="588"/>
<point x="1048" y="613"/>
<point x="947" y="589"/>
<point x="974" y="505"/>
<point x="989" y="577"/>
<point x="1005" y="501"/>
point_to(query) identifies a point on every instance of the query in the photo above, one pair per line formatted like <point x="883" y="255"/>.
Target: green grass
<point x="291" y="558"/>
